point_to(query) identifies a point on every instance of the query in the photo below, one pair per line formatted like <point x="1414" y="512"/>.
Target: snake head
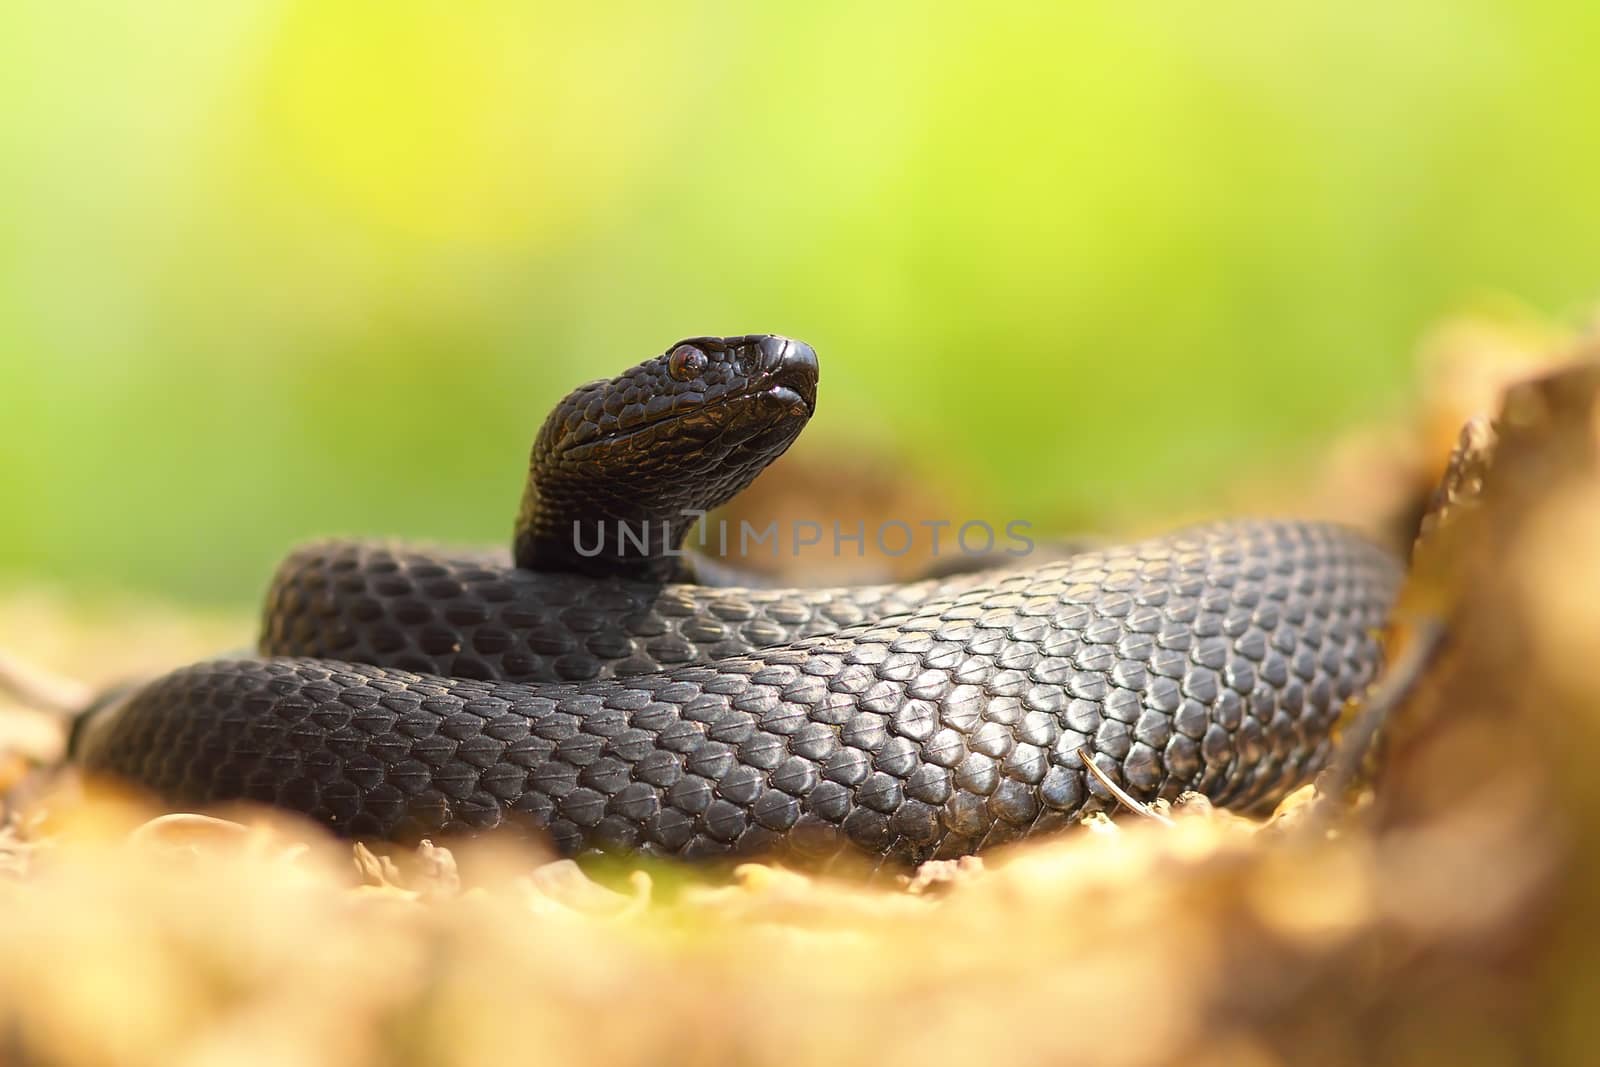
<point x="680" y="433"/>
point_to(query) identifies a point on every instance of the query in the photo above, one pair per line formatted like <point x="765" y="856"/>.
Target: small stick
<point x="1399" y="681"/>
<point x="33" y="687"/>
<point x="1122" y="796"/>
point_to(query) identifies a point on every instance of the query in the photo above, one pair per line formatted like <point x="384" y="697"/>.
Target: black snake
<point x="590" y="690"/>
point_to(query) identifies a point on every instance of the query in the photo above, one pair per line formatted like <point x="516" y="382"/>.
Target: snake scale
<point x="590" y="690"/>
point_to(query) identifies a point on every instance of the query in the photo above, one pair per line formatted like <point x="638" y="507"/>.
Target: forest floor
<point x="1434" y="907"/>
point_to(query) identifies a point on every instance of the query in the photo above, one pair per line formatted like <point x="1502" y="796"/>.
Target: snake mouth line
<point x="783" y="394"/>
<point x="790" y="398"/>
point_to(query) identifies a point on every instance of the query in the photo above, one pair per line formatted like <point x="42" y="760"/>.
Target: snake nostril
<point x="770" y="349"/>
<point x="796" y="367"/>
<point x="802" y="358"/>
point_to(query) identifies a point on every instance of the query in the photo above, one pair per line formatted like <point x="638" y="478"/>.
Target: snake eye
<point x="686" y="362"/>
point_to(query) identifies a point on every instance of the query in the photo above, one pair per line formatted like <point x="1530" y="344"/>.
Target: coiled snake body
<point x="592" y="693"/>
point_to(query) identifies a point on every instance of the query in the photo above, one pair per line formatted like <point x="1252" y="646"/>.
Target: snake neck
<point x="570" y="534"/>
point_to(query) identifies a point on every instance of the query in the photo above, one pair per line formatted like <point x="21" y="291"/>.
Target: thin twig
<point x="36" y="688"/>
<point x="1122" y="796"/>
<point x="1398" y="682"/>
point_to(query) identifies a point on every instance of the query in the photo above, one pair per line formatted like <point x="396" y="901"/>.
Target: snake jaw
<point x="717" y="415"/>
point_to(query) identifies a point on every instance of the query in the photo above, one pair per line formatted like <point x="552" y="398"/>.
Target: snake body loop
<point x="611" y="706"/>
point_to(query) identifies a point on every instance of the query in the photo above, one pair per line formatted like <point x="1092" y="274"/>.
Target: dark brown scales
<point x="1215" y="659"/>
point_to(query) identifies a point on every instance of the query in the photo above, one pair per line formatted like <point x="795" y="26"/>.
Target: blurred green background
<point x="273" y="270"/>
